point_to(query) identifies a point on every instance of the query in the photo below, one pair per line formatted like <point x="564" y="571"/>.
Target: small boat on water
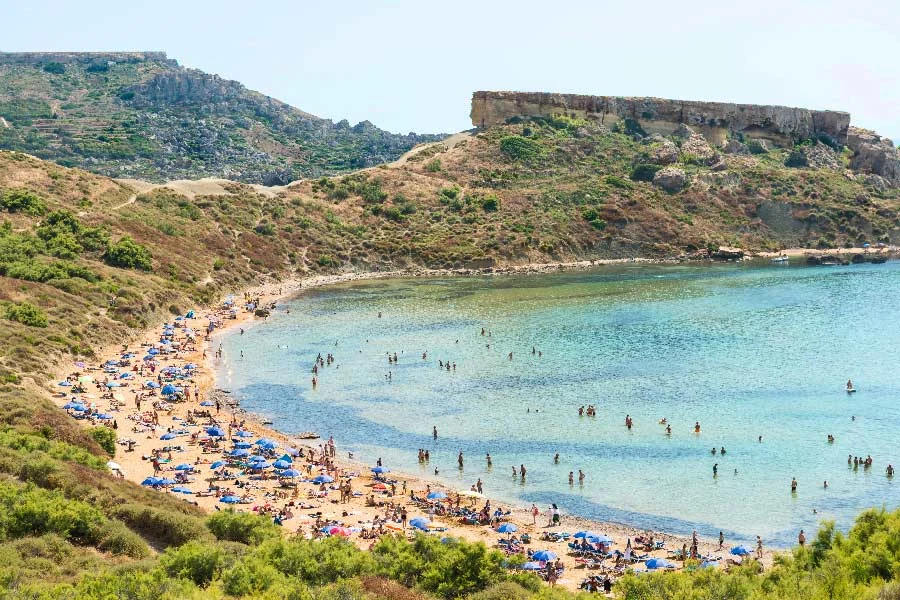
<point x="781" y="259"/>
<point x="851" y="390"/>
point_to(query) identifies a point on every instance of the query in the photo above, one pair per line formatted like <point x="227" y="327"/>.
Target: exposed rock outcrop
<point x="663" y="151"/>
<point x="697" y="147"/>
<point x="670" y="179"/>
<point x="716" y="121"/>
<point x="874" y="154"/>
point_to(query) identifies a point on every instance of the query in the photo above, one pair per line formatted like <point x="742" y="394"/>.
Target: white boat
<point x="781" y="259"/>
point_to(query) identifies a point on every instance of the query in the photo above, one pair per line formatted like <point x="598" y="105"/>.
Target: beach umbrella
<point x="167" y="481"/>
<point x="239" y="452"/>
<point x="190" y="366"/>
<point x="260" y="465"/>
<point x="268" y="444"/>
<point x="64" y="383"/>
<point x="532" y="566"/>
<point x="599" y="539"/>
<point x="152" y="351"/>
<point x="151" y="384"/>
<point x="420" y="523"/>
<point x="379" y="487"/>
<point x="242" y="445"/>
<point x="168" y="436"/>
<point x="80" y="364"/>
<point x="79" y="408"/>
<point x="286" y="459"/>
<point x="323" y="479"/>
<point x="229" y="499"/>
<point x="207" y="403"/>
<point x="215" y="431"/>
<point x="290" y="473"/>
<point x="658" y="563"/>
<point x="244" y="433"/>
<point x="257" y="458"/>
<point x="114" y="466"/>
<point x="184" y="467"/>
<point x="584" y="534"/>
<point x="507" y="528"/>
<point x="281" y="464"/>
<point x="105" y="416"/>
<point x="437" y="496"/>
<point x="113" y="384"/>
<point x="168" y="389"/>
<point x="182" y="490"/>
<point x="544" y="555"/>
<point x="217" y="464"/>
<point x="150" y="481"/>
<point x="342" y="531"/>
<point x="69" y="405"/>
<point x="739" y="551"/>
<point x="380" y="470"/>
<point x="262" y="441"/>
<point x="471" y="494"/>
<point x="293" y="452"/>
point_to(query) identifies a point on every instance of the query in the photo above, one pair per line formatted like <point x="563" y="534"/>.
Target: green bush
<point x="796" y="159"/>
<point x="490" y="203"/>
<point x="517" y="147"/>
<point x="170" y="528"/>
<point x="590" y="214"/>
<point x="27" y="314"/>
<point x="116" y="538"/>
<point x="128" y="254"/>
<point x="55" y="68"/>
<point x="197" y="562"/>
<point x="633" y="128"/>
<point x="24" y="201"/>
<point x="316" y="562"/>
<point x="433" y="166"/>
<point x="756" y="147"/>
<point x="27" y="511"/>
<point x="644" y="172"/>
<point x="105" y="437"/>
<point x="249" y="577"/>
<point x="246" y="528"/>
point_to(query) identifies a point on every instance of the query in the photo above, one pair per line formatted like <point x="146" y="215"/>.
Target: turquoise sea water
<point x="744" y="350"/>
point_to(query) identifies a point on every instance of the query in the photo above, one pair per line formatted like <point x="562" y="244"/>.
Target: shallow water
<point x="744" y="350"/>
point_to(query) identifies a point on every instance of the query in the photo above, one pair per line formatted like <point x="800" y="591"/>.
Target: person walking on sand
<point x="801" y="539"/>
<point x="721" y="540"/>
<point x="759" y="548"/>
<point x="403" y="516"/>
<point x="534" y="514"/>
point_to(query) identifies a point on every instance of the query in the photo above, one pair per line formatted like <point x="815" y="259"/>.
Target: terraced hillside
<point x="142" y="115"/>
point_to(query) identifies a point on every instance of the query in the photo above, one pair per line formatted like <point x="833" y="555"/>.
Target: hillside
<point x="141" y="115"/>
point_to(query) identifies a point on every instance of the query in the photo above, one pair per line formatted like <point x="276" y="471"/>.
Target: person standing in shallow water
<point x="434" y="432"/>
<point x="793" y="485"/>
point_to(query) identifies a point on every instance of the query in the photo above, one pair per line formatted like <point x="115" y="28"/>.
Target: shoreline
<point x="275" y="291"/>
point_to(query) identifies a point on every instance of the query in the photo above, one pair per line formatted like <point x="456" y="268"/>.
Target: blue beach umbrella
<point x="262" y="441"/>
<point x="151" y="384"/>
<point x="437" y="496"/>
<point x="79" y="408"/>
<point x="207" y="403"/>
<point x="739" y="551"/>
<point x="167" y="481"/>
<point x="420" y="523"/>
<point x="242" y="445"/>
<point x="599" y="539"/>
<point x="323" y="479"/>
<point x="380" y="470"/>
<point x="150" y="481"/>
<point x="105" y="416"/>
<point x="532" y="566"/>
<point x="69" y="405"/>
<point x="583" y="534"/>
<point x="544" y="555"/>
<point x="290" y="473"/>
<point x="168" y="436"/>
<point x="217" y="464"/>
<point x="182" y="490"/>
<point x="507" y="528"/>
<point x="229" y="499"/>
<point x="184" y="467"/>
<point x="658" y="563"/>
<point x="257" y="458"/>
<point x="168" y="389"/>
<point x="152" y="351"/>
<point x="215" y="431"/>
<point x="281" y="464"/>
<point x="268" y="444"/>
<point x="261" y="464"/>
<point x="64" y="383"/>
<point x="244" y="433"/>
<point x="239" y="452"/>
<point x="113" y="384"/>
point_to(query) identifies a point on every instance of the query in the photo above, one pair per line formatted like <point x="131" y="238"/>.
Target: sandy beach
<point x="307" y="506"/>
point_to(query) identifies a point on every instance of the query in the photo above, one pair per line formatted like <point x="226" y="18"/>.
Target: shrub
<point x="168" y="527"/>
<point x="27" y="314"/>
<point x="590" y="214"/>
<point x="24" y="201"/>
<point x="116" y="538"/>
<point x="246" y="528"/>
<point x="756" y="147"/>
<point x="249" y="577"/>
<point x="491" y="203"/>
<point x="128" y="254"/>
<point x="195" y="561"/>
<point x="316" y="562"/>
<point x="55" y="68"/>
<point x="644" y="172"/>
<point x="105" y="437"/>
<point x="433" y="166"/>
<point x="796" y="159"/>
<point x="633" y="128"/>
<point x="265" y="228"/>
<point x="517" y="147"/>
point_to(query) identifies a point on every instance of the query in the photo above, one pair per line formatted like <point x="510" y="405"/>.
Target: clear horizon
<point x="406" y="66"/>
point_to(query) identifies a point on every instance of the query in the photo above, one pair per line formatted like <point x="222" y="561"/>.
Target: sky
<point x="413" y="65"/>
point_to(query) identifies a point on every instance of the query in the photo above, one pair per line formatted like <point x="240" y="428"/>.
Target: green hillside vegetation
<point x="145" y="117"/>
<point x="82" y="266"/>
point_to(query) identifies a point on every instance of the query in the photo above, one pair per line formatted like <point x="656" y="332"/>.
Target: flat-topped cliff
<point x="780" y="125"/>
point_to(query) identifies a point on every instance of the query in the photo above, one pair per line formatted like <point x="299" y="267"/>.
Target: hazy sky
<point x="412" y="65"/>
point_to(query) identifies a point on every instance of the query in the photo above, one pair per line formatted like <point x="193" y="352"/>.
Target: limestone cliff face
<point x="781" y="125"/>
<point x="874" y="154"/>
<point x="39" y="58"/>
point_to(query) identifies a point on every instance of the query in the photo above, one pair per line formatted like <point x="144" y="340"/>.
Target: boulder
<point x="874" y="154"/>
<point x="821" y="156"/>
<point x="733" y="146"/>
<point x="664" y="151"/>
<point x="877" y="182"/>
<point x="696" y="145"/>
<point x="670" y="179"/>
